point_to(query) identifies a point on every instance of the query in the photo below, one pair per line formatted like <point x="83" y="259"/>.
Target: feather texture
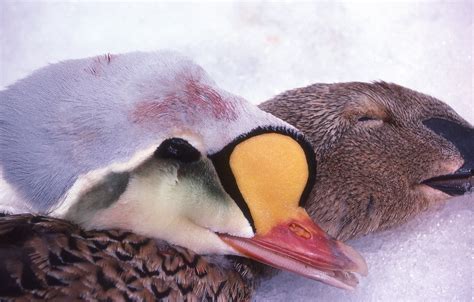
<point x="48" y="258"/>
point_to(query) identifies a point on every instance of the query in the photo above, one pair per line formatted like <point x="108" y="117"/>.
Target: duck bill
<point x="458" y="183"/>
<point x="300" y="246"/>
<point x="462" y="137"/>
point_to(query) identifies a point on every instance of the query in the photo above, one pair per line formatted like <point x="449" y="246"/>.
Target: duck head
<point x="385" y="152"/>
<point x="147" y="142"/>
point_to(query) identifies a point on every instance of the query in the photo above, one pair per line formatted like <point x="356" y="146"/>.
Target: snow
<point x="257" y="50"/>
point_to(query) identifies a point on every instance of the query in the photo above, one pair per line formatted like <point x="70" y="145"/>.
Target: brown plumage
<point x="43" y="258"/>
<point x="373" y="151"/>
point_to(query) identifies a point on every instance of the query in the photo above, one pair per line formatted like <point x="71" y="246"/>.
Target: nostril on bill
<point x="300" y="231"/>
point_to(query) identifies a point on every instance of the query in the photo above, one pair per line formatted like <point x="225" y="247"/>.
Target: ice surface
<point x="258" y="50"/>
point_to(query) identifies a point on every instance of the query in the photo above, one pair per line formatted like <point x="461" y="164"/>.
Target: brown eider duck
<point x="384" y="152"/>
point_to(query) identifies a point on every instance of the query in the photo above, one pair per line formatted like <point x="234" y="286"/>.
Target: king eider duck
<point x="147" y="144"/>
<point x="385" y="153"/>
<point x="46" y="258"/>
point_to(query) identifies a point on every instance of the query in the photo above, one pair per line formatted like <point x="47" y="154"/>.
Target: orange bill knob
<point x="300" y="246"/>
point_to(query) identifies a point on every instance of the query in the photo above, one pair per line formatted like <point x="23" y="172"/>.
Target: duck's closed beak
<point x="300" y="246"/>
<point x="458" y="183"/>
<point x="462" y="137"/>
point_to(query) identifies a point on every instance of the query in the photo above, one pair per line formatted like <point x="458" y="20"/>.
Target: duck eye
<point x="370" y="121"/>
<point x="178" y="149"/>
<point x="366" y="118"/>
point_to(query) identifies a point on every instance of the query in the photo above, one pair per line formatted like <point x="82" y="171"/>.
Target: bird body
<point x="52" y="258"/>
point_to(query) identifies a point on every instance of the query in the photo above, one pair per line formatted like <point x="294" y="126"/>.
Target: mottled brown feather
<point x="47" y="258"/>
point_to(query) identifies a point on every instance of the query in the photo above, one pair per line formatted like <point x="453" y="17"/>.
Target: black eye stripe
<point x="221" y="162"/>
<point x="178" y="149"/>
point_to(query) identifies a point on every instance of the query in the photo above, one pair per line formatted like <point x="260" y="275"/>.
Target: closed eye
<point x="366" y="118"/>
<point x="369" y="121"/>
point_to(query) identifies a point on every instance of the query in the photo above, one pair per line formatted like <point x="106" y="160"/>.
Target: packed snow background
<point x="257" y="50"/>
